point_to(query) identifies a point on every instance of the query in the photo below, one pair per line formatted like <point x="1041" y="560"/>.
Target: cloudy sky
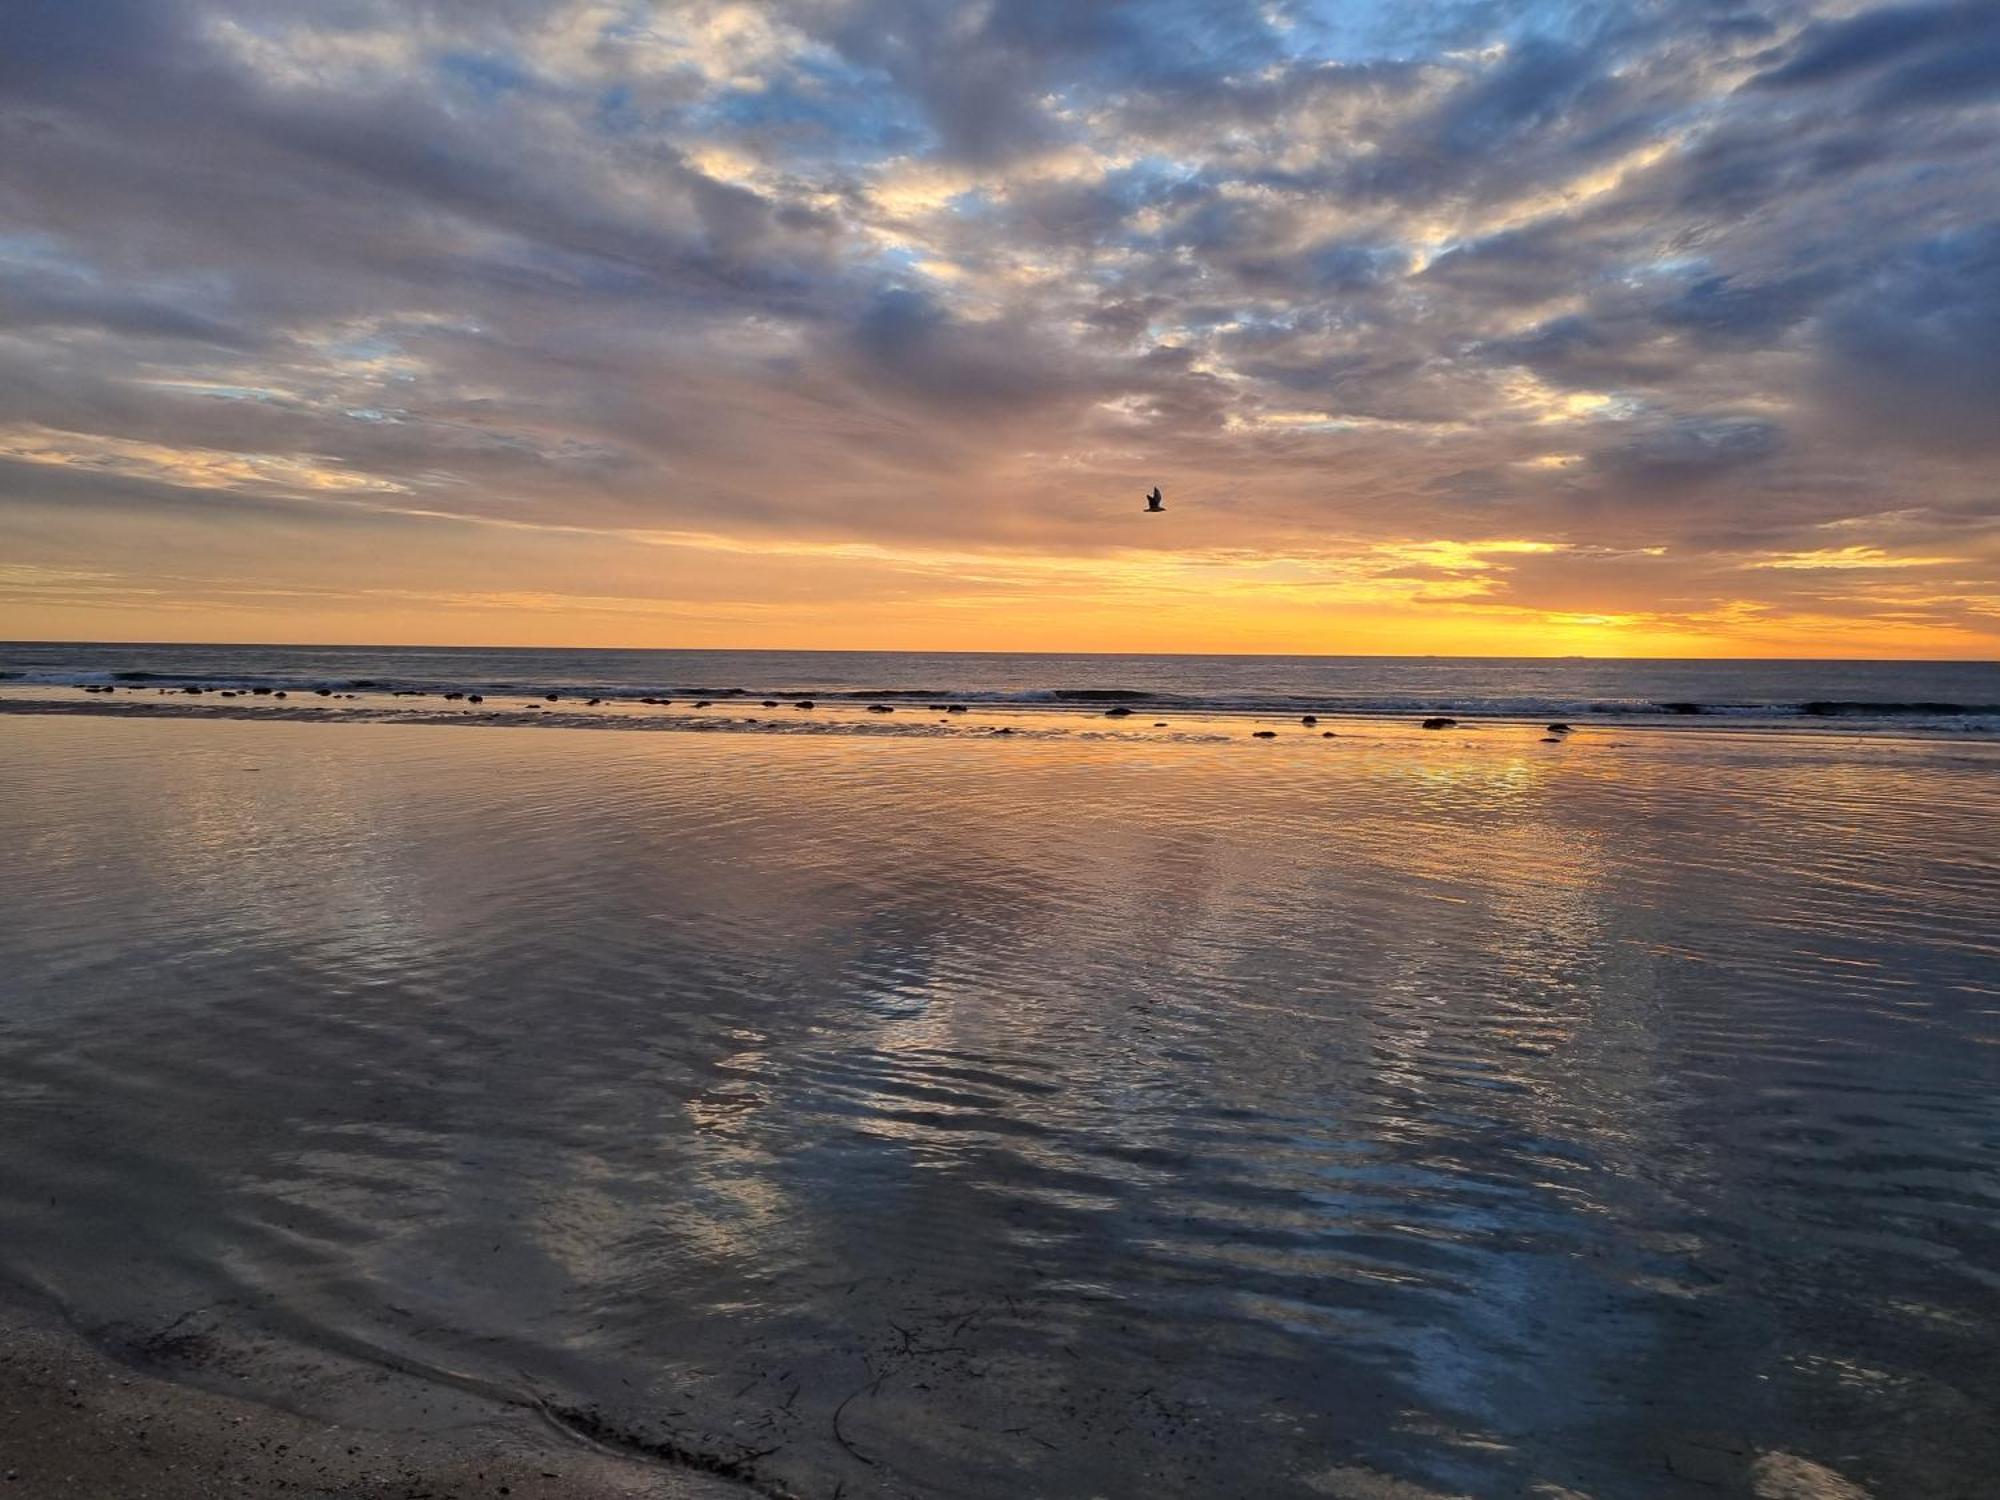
<point x="1654" y="328"/>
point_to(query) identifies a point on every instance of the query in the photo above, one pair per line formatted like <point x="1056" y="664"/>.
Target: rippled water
<point x="1001" y="1118"/>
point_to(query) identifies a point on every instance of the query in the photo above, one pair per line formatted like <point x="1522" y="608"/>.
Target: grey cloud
<point x="907" y="341"/>
<point x="1829" y="50"/>
<point x="1916" y="56"/>
<point x="31" y="299"/>
<point x="1689" y="451"/>
<point x="1914" y="351"/>
<point x="1737" y="310"/>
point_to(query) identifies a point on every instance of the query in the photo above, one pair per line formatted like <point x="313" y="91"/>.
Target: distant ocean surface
<point x="1932" y="696"/>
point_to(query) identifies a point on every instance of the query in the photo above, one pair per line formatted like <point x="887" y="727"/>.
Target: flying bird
<point x="1154" y="502"/>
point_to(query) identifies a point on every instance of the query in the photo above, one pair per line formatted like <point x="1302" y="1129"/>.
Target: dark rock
<point x="261" y="692"/>
<point x="1559" y="729"/>
<point x="593" y="703"/>
<point x="1003" y="729"/>
<point x="475" y="698"/>
<point x="705" y="703"/>
<point x="552" y="697"/>
<point x="1328" y="734"/>
<point x="880" y="708"/>
<point x="1309" y="720"/>
<point x="803" y="703"/>
<point x="1159" y="723"/>
<point x="193" y="690"/>
<point x="770" y="703"/>
<point x="1263" y="734"/>
<point x="956" y="708"/>
<point x="1552" y="739"/>
<point x="1117" y="713"/>
<point x="281" y="694"/>
<point x="323" y="692"/>
<point x="1440" y="723"/>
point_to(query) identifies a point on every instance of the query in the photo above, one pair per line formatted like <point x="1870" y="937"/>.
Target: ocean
<point x="896" y="1110"/>
<point x="1947" y="697"/>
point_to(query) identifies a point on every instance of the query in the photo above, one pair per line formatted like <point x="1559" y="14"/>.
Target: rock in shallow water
<point x="1440" y="723"/>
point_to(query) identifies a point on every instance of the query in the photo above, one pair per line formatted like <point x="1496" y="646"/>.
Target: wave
<point x="1835" y="708"/>
<point x="506" y="685"/>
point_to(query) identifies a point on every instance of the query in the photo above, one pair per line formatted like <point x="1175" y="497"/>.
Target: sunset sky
<point x="1615" y="329"/>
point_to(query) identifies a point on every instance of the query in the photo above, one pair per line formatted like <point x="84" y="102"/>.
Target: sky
<point x="1472" y="327"/>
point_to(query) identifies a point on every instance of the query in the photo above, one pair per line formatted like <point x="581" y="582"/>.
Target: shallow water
<point x="1050" y="1117"/>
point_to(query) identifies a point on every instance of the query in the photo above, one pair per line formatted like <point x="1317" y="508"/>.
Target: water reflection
<point x="1059" y="1118"/>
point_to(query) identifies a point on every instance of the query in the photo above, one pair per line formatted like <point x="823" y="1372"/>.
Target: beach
<point x="76" y="1423"/>
<point x="896" y="1107"/>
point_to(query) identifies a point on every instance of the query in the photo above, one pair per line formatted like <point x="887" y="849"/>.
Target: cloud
<point x="917" y="275"/>
<point x="1913" y="351"/>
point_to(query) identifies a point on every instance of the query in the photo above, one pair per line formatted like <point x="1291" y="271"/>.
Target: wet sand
<point x="77" y="1425"/>
<point x="1408" y="1114"/>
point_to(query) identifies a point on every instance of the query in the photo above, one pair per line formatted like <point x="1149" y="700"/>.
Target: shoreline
<point x="77" y="1422"/>
<point x="981" y="721"/>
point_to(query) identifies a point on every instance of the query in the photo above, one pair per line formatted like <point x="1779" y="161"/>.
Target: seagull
<point x="1154" y="502"/>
